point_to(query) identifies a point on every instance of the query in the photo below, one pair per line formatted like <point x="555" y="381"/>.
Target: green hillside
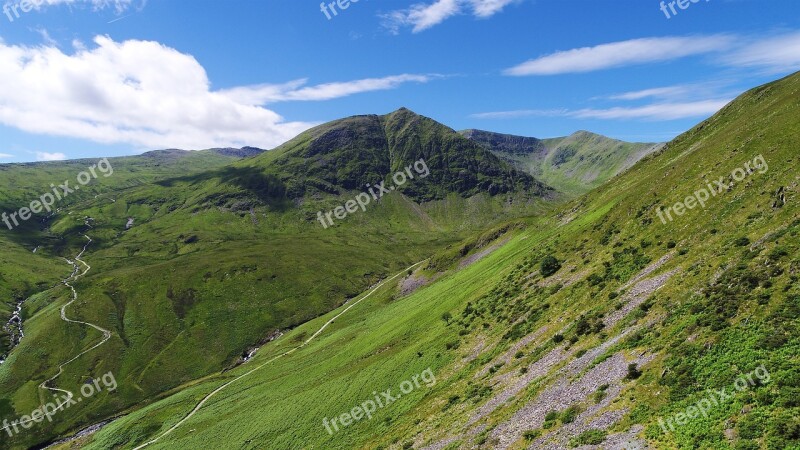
<point x="192" y="271"/>
<point x="22" y="272"/>
<point x="27" y="181"/>
<point x="347" y="154"/>
<point x="581" y="327"/>
<point x="574" y="164"/>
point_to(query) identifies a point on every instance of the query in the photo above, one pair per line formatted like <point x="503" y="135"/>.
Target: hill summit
<point x="347" y="154"/>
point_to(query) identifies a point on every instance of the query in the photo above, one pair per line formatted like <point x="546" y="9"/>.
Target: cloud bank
<point x="620" y="54"/>
<point x="149" y="95"/>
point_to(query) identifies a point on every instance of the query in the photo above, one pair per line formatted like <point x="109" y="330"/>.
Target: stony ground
<point x="572" y="384"/>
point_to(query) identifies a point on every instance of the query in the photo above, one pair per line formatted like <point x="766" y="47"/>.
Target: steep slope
<point x="633" y="320"/>
<point x="348" y="154"/>
<point x="191" y="273"/>
<point x="574" y="164"/>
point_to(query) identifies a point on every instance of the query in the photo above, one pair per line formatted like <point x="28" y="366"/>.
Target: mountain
<point x="596" y="325"/>
<point x="348" y="154"/>
<point x="574" y="164"/>
<point x="191" y="268"/>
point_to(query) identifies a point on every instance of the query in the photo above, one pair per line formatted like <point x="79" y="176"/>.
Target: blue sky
<point x="89" y="78"/>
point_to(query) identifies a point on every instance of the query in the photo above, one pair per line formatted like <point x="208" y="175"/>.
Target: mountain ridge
<point x="349" y="153"/>
<point x="572" y="164"/>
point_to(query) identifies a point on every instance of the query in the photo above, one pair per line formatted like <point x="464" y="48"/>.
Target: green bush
<point x="532" y="434"/>
<point x="551" y="416"/>
<point x="590" y="437"/>
<point x="747" y="445"/>
<point x="599" y="396"/>
<point x="549" y="266"/>
<point x="633" y="372"/>
<point x="750" y="426"/>
<point x="570" y="414"/>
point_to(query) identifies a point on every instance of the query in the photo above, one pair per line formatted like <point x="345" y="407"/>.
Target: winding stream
<point x="76" y="274"/>
<point x="14" y="329"/>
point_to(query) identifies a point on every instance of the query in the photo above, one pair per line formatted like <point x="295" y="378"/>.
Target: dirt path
<point x="74" y="276"/>
<point x="266" y="363"/>
<point x="106" y="334"/>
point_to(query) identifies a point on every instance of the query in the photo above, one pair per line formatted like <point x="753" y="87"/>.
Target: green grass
<point x="215" y="263"/>
<point x="379" y="344"/>
<point x="573" y="165"/>
<point x="728" y="309"/>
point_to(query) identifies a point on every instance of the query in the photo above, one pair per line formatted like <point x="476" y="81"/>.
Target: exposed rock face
<point x="358" y="151"/>
<point x="507" y="143"/>
<point x="244" y="152"/>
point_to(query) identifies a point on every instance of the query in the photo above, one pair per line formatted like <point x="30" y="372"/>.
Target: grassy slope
<point x="213" y="266"/>
<point x="27" y="181"/>
<point x="573" y="165"/>
<point x="584" y="161"/>
<point x="23" y="273"/>
<point x="731" y="307"/>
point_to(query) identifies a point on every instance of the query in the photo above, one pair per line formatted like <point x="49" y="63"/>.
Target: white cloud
<point x="44" y="156"/>
<point x="776" y="54"/>
<point x="619" y="54"/>
<point x="662" y="92"/>
<point x="714" y="89"/>
<point x="488" y="8"/>
<point x="6" y="155"/>
<point x="422" y="16"/>
<point x="118" y="5"/>
<point x="46" y="37"/>
<point x="297" y="91"/>
<point x="146" y="94"/>
<point x="656" y="111"/>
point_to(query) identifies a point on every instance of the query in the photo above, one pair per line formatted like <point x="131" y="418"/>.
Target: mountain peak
<point x="402" y="113"/>
<point x="347" y="154"/>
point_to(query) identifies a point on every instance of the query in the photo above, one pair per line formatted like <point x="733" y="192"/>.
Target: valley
<point x="405" y="225"/>
<point x="550" y="317"/>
